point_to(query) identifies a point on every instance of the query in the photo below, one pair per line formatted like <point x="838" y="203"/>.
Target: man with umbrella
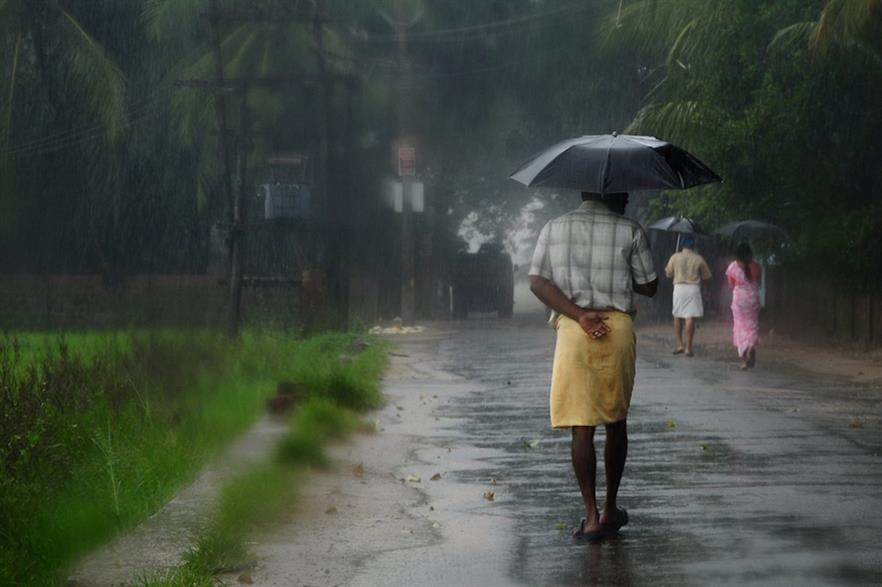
<point x="687" y="269"/>
<point x="587" y="266"/>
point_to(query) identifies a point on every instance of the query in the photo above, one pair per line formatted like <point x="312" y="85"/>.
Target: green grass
<point x="98" y="430"/>
<point x="257" y="497"/>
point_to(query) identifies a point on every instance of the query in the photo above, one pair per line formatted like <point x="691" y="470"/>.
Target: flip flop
<point x="622" y="521"/>
<point x="593" y="536"/>
<point x="679" y="352"/>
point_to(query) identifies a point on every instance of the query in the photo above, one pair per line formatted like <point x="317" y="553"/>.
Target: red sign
<point x="406" y="161"/>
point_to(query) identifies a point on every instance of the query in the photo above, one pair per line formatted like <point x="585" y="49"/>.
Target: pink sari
<point x="745" y="308"/>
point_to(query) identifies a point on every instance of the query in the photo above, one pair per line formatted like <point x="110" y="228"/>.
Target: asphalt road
<point x="732" y="478"/>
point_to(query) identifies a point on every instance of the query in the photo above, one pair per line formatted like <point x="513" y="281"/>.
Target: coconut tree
<point x="63" y="104"/>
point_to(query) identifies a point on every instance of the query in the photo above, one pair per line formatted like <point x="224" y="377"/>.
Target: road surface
<point x="768" y="477"/>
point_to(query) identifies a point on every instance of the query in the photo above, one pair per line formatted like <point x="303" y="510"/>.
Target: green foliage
<point x="779" y="100"/>
<point x="99" y="430"/>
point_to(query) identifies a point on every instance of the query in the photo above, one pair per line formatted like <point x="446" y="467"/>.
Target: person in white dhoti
<point x="687" y="269"/>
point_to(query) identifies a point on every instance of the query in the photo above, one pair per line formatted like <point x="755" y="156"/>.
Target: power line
<point x="457" y="33"/>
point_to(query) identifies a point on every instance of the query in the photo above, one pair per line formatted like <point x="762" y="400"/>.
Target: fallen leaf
<point x="671" y="424"/>
<point x="358" y="470"/>
<point x="399" y="408"/>
<point x="413" y="479"/>
<point x="856" y="423"/>
<point x="331" y="510"/>
<point x="492" y="481"/>
<point x="489" y="495"/>
<point x="560" y="526"/>
<point x="246" y="578"/>
<point x="431" y="508"/>
<point x="435" y="477"/>
<point x="531" y="443"/>
<point x="436" y="525"/>
<point x="705" y="446"/>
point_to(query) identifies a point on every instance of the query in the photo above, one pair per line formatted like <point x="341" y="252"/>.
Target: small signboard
<point x="406" y="161"/>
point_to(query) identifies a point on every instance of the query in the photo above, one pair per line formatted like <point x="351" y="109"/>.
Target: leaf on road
<point x="492" y="481"/>
<point x="436" y="525"/>
<point x="856" y="423"/>
<point x="705" y="446"/>
<point x="531" y="443"/>
<point x="560" y="526"/>
<point x="490" y="495"/>
<point x="671" y="424"/>
<point x="358" y="470"/>
<point x="245" y="578"/>
<point x="331" y="510"/>
<point x="435" y="477"/>
<point x="413" y="479"/>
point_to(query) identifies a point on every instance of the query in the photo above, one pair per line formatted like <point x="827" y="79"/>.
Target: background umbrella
<point x="747" y="229"/>
<point x="614" y="163"/>
<point x="677" y="224"/>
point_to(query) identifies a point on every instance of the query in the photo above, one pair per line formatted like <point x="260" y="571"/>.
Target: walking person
<point x="586" y="267"/>
<point x="687" y="269"/>
<point x="743" y="276"/>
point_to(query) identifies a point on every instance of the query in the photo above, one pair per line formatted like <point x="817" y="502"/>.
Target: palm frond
<point x="680" y="121"/>
<point x="93" y="76"/>
<point x="850" y="23"/>
<point x="170" y="20"/>
<point x="795" y="37"/>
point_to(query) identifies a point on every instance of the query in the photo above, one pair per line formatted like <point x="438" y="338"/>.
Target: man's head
<point x="687" y="242"/>
<point x="617" y="202"/>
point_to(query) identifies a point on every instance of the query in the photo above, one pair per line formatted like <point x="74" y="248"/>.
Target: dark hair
<point x="744" y="256"/>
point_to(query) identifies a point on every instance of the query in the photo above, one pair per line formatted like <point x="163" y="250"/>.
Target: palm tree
<point x="69" y="61"/>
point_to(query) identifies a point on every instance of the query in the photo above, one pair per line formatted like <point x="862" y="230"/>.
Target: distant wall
<point x="72" y="301"/>
<point x="809" y="306"/>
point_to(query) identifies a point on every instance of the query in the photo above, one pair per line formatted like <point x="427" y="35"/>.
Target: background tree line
<point x="108" y="166"/>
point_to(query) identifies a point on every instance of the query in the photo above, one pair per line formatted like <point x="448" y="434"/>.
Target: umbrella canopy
<point x="746" y="229"/>
<point x="677" y="224"/>
<point x="606" y="164"/>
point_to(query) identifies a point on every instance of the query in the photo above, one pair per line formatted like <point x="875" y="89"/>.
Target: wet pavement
<point x="732" y="477"/>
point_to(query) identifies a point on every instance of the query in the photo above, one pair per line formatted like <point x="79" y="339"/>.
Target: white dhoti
<point x="687" y="301"/>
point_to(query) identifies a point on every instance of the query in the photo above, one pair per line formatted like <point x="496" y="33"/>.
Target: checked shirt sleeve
<point x="642" y="267"/>
<point x="541" y="264"/>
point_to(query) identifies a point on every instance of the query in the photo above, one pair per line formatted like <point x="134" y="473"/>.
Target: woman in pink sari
<point x="743" y="275"/>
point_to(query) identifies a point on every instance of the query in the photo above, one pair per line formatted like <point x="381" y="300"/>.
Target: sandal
<point x="622" y="515"/>
<point x="593" y="536"/>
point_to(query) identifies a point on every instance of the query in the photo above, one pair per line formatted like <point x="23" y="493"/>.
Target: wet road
<point x="732" y="477"/>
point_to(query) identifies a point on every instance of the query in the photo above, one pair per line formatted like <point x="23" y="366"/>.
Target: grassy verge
<point x="258" y="496"/>
<point x="99" y="430"/>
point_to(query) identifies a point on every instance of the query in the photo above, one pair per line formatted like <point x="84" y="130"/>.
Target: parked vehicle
<point x="483" y="282"/>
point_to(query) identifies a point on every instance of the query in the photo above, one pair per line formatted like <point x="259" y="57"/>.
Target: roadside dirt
<point x="713" y="340"/>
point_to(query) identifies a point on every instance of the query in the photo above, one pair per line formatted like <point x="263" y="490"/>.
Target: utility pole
<point x="404" y="126"/>
<point x="236" y="187"/>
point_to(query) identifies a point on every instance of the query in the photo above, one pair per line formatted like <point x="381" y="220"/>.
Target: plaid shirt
<point x="592" y="254"/>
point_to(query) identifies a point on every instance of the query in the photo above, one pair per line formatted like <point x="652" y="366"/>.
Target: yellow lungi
<point x="592" y="379"/>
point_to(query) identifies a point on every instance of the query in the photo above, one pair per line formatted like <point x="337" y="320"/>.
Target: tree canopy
<point x="108" y="165"/>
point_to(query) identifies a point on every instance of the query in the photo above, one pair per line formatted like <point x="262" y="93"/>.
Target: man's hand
<point x="593" y="323"/>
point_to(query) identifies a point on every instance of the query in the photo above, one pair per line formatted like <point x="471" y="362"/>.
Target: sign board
<point x="393" y="194"/>
<point x="406" y="161"/>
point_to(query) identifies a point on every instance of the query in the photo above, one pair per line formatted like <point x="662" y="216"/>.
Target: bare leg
<point x="585" y="467"/>
<point x="614" y="456"/>
<point x="678" y="333"/>
<point x="690" y="334"/>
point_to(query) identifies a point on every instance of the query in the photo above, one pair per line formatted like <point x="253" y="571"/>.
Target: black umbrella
<point x="677" y="224"/>
<point x="606" y="164"/>
<point x="746" y="229"/>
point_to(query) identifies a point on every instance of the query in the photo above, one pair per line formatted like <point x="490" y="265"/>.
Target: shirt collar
<point x="593" y="206"/>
